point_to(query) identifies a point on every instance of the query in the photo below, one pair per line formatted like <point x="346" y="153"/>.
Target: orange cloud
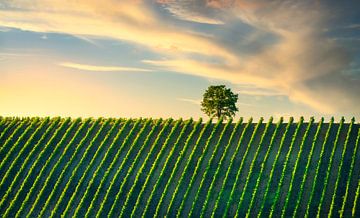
<point x="164" y="1"/>
<point x="102" y="68"/>
<point x="226" y="4"/>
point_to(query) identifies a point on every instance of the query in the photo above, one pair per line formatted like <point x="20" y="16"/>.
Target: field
<point x="144" y="167"/>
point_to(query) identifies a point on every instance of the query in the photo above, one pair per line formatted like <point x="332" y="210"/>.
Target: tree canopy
<point x="219" y="101"/>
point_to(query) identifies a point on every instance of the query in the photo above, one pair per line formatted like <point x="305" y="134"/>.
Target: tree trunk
<point x="218" y="113"/>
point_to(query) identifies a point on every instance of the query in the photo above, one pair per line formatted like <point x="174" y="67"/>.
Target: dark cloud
<point x="339" y="90"/>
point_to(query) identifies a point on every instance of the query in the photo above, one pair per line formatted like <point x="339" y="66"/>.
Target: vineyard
<point x="52" y="167"/>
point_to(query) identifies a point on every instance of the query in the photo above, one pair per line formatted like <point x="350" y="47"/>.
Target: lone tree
<point x="219" y="101"/>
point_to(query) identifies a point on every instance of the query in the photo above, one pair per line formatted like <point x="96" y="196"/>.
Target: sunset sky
<point x="148" y="58"/>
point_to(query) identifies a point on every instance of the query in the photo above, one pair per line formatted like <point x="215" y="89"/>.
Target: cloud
<point x="192" y="101"/>
<point x="101" y="68"/>
<point x="245" y="104"/>
<point x="353" y="26"/>
<point x="8" y="54"/>
<point x="301" y="55"/>
<point x="87" y="40"/>
<point x="179" y="9"/>
<point x="226" y="4"/>
<point x="4" y="29"/>
<point x="127" y="20"/>
<point x="260" y="93"/>
<point x="296" y="57"/>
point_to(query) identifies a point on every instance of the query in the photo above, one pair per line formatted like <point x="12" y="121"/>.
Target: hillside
<point x="88" y="167"/>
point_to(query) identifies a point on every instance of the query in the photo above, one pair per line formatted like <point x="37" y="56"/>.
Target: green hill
<point x="121" y="167"/>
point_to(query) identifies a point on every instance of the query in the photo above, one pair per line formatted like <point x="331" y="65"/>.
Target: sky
<point x="155" y="58"/>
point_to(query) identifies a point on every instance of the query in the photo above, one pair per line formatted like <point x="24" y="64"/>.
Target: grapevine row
<point x="340" y="167"/>
<point x="120" y="149"/>
<point x="132" y="146"/>
<point x="210" y="161"/>
<point x="117" y="174"/>
<point x="64" y="170"/>
<point x="3" y="121"/>
<point x="318" y="168"/>
<point x="185" y="169"/>
<point x="235" y="184"/>
<point x="40" y="174"/>
<point x="59" y="161"/>
<point x="168" y="158"/>
<point x="139" y="172"/>
<point x="273" y="167"/>
<point x="329" y="168"/>
<point x="75" y="170"/>
<point x="153" y="167"/>
<point x="341" y="212"/>
<point x="19" y="153"/>
<point x="130" y="169"/>
<point x="287" y="158"/>
<point x="167" y="123"/>
<point x="305" y="174"/>
<point x="217" y="201"/>
<point x="205" y="204"/>
<point x="95" y="156"/>
<point x="193" y="176"/>
<point x="357" y="195"/>
<point x="13" y="136"/>
<point x="239" y="206"/>
<point x="92" y="204"/>
<point x="7" y="129"/>
<point x="254" y="192"/>
<point x="33" y="166"/>
<point x="296" y="167"/>
<point x="176" y="166"/>
<point x="18" y="143"/>
<point x="100" y="166"/>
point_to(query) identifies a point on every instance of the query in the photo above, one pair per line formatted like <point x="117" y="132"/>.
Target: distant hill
<point x="123" y="167"/>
